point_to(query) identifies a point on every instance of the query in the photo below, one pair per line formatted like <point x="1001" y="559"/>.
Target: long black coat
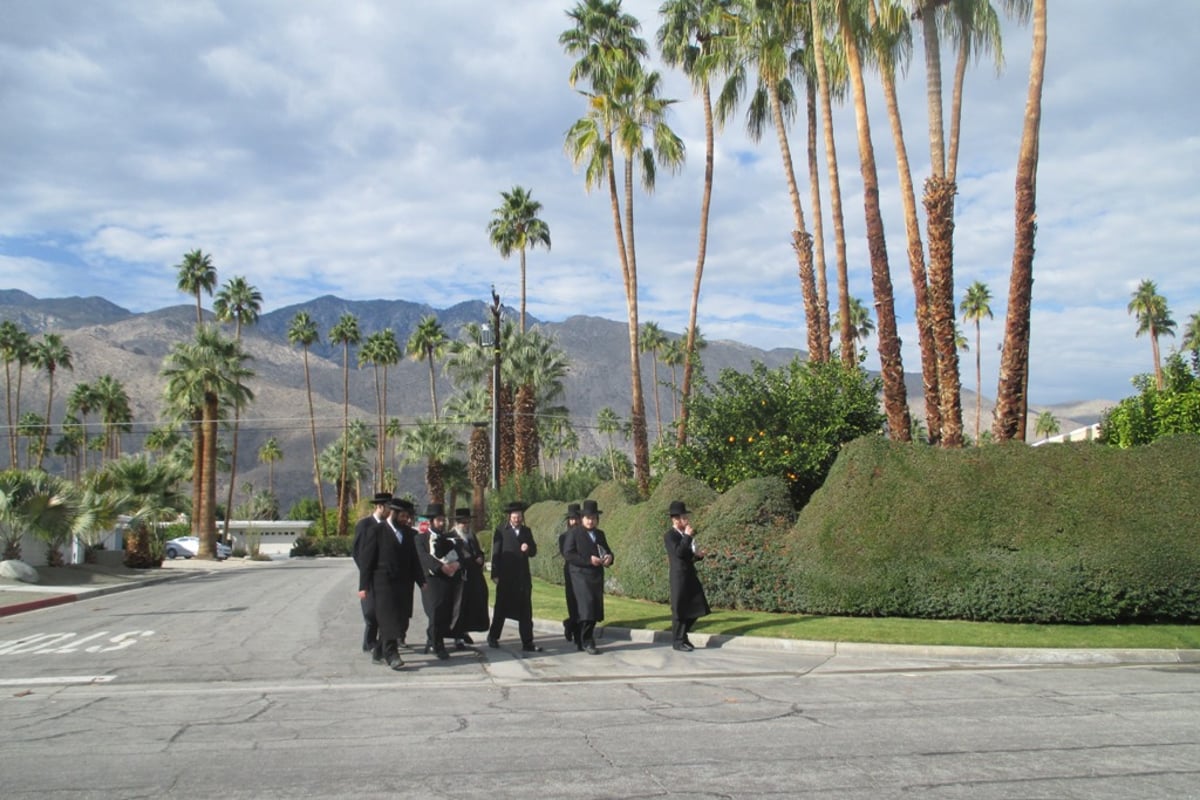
<point x="510" y="571"/>
<point x="472" y="614"/>
<point x="387" y="571"/>
<point x="586" y="579"/>
<point x="687" y="594"/>
<point x="442" y="592"/>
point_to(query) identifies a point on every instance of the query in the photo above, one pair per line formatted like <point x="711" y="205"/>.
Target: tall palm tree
<point x="608" y="423"/>
<point x="652" y="341"/>
<point x="387" y="354"/>
<point x="515" y="225"/>
<point x="891" y="366"/>
<point x="428" y="343"/>
<point x="472" y="406"/>
<point x="627" y="116"/>
<point x="1046" y="425"/>
<point x="695" y="37"/>
<point x="206" y="372"/>
<point x="675" y="354"/>
<point x="1154" y="319"/>
<point x="433" y="442"/>
<point x="144" y="491"/>
<point x="240" y="303"/>
<point x="49" y="354"/>
<point x="196" y="274"/>
<point x="1012" y="401"/>
<point x="767" y="36"/>
<point x="115" y="413"/>
<point x="14" y="344"/>
<point x="861" y="324"/>
<point x="891" y="37"/>
<point x="162" y="439"/>
<point x="82" y="401"/>
<point x="302" y="331"/>
<point x="974" y="307"/>
<point x="346" y="333"/>
<point x="536" y="366"/>
<point x="269" y="453"/>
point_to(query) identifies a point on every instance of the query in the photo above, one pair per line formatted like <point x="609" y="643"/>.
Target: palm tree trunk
<point x="895" y="395"/>
<point x="522" y="290"/>
<point x="637" y="414"/>
<point x="978" y="382"/>
<point x="1011" y="400"/>
<point x="12" y="435"/>
<point x="208" y="488"/>
<point x="654" y="379"/>
<point x="46" y="429"/>
<point x="802" y="242"/>
<point x="432" y="385"/>
<point x="705" y="205"/>
<point x="312" y="424"/>
<point x="343" y="512"/>
<point x="814" y="184"/>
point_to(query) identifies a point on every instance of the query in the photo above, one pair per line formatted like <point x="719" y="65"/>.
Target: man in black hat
<point x="472" y="612"/>
<point x="441" y="562"/>
<point x="378" y="514"/>
<point x="587" y="553"/>
<point x="571" y="623"/>
<point x="388" y="568"/>
<point x="688" y="602"/>
<point x="512" y="547"/>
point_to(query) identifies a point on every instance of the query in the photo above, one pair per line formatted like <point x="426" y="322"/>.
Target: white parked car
<point x="188" y="546"/>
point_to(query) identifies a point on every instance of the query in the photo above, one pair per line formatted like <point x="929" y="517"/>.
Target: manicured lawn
<point x="623" y="612"/>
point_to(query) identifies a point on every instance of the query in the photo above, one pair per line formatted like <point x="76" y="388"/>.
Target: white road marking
<point x="63" y="643"/>
<point x="60" y="680"/>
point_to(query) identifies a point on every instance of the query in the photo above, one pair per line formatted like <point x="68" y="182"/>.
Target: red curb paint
<point x="34" y="605"/>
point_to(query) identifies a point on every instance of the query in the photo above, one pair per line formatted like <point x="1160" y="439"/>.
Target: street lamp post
<point x="494" y="340"/>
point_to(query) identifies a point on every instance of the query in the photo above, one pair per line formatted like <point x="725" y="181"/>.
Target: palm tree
<point x="269" y="453"/>
<point x="115" y="413"/>
<point x="891" y="35"/>
<point x="608" y="423"/>
<point x="240" y="303"/>
<point x="385" y="352"/>
<point x="50" y="354"/>
<point x="70" y="446"/>
<point x="767" y="33"/>
<point x="891" y="366"/>
<point x="675" y="354"/>
<point x="626" y="115"/>
<point x="206" y="372"/>
<point x="536" y="365"/>
<point x="861" y="324"/>
<point x="974" y="307"/>
<point x="196" y="274"/>
<point x="515" y="225"/>
<point x="1191" y="335"/>
<point x="82" y="400"/>
<point x="1154" y="319"/>
<point x="428" y="343"/>
<point x="14" y="344"/>
<point x="1046" y="425"/>
<point x="652" y="341"/>
<point x="344" y="452"/>
<point x="162" y="439"/>
<point x="431" y="441"/>
<point x="144" y="491"/>
<point x="346" y="333"/>
<point x="694" y="36"/>
<point x="302" y="331"/>
<point x="472" y="406"/>
<point x="37" y="503"/>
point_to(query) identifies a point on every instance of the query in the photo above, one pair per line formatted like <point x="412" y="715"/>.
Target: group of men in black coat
<point x="393" y="558"/>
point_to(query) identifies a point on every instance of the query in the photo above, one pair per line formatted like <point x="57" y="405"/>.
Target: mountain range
<point x="107" y="339"/>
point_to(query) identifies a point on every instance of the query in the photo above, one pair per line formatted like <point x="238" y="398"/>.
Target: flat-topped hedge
<point x="1060" y="533"/>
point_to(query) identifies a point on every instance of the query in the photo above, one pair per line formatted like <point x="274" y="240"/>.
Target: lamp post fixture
<point x="491" y="337"/>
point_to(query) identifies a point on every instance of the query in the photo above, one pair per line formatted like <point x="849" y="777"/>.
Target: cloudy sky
<point x="358" y="148"/>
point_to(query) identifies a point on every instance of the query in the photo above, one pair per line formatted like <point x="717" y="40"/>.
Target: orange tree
<point x="788" y="422"/>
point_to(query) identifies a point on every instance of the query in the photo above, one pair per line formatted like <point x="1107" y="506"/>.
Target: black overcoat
<point x="387" y="570"/>
<point x="687" y="594"/>
<point x="510" y="571"/>
<point x="472" y="614"/>
<point x="442" y="591"/>
<point x="587" y="580"/>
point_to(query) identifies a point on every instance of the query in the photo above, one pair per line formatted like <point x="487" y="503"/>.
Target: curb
<point x="83" y="594"/>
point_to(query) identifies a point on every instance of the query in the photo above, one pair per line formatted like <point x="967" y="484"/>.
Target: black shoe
<point x="401" y="643"/>
<point x="530" y="648"/>
<point x="591" y="649"/>
<point x="568" y="631"/>
<point x="682" y="647"/>
<point x="493" y="643"/>
<point x="442" y="655"/>
<point x="376" y="658"/>
<point x="395" y="662"/>
<point x="466" y="637"/>
<point x="459" y="644"/>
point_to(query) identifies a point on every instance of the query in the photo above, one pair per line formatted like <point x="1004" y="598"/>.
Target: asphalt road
<point x="252" y="683"/>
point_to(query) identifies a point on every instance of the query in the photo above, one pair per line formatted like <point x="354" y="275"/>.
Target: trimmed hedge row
<point x="1061" y="533"/>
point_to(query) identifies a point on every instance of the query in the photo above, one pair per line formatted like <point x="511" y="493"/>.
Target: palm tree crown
<point x="515" y="226"/>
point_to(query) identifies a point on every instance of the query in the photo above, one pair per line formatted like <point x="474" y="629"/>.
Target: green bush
<point x="305" y="546"/>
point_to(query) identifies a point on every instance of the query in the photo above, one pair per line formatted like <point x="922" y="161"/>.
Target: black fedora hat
<point x="678" y="509"/>
<point x="434" y="510"/>
<point x="462" y="514"/>
<point x="400" y="504"/>
<point x="515" y="505"/>
<point x="590" y="508"/>
<point x="573" y="511"/>
<point x="381" y="498"/>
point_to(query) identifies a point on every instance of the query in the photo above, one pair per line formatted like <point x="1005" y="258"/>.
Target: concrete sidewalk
<point x="59" y="585"/>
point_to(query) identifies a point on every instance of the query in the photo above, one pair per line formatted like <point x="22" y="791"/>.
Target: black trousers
<point x="587" y="633"/>
<point x="371" y="623"/>
<point x="524" y="628"/>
